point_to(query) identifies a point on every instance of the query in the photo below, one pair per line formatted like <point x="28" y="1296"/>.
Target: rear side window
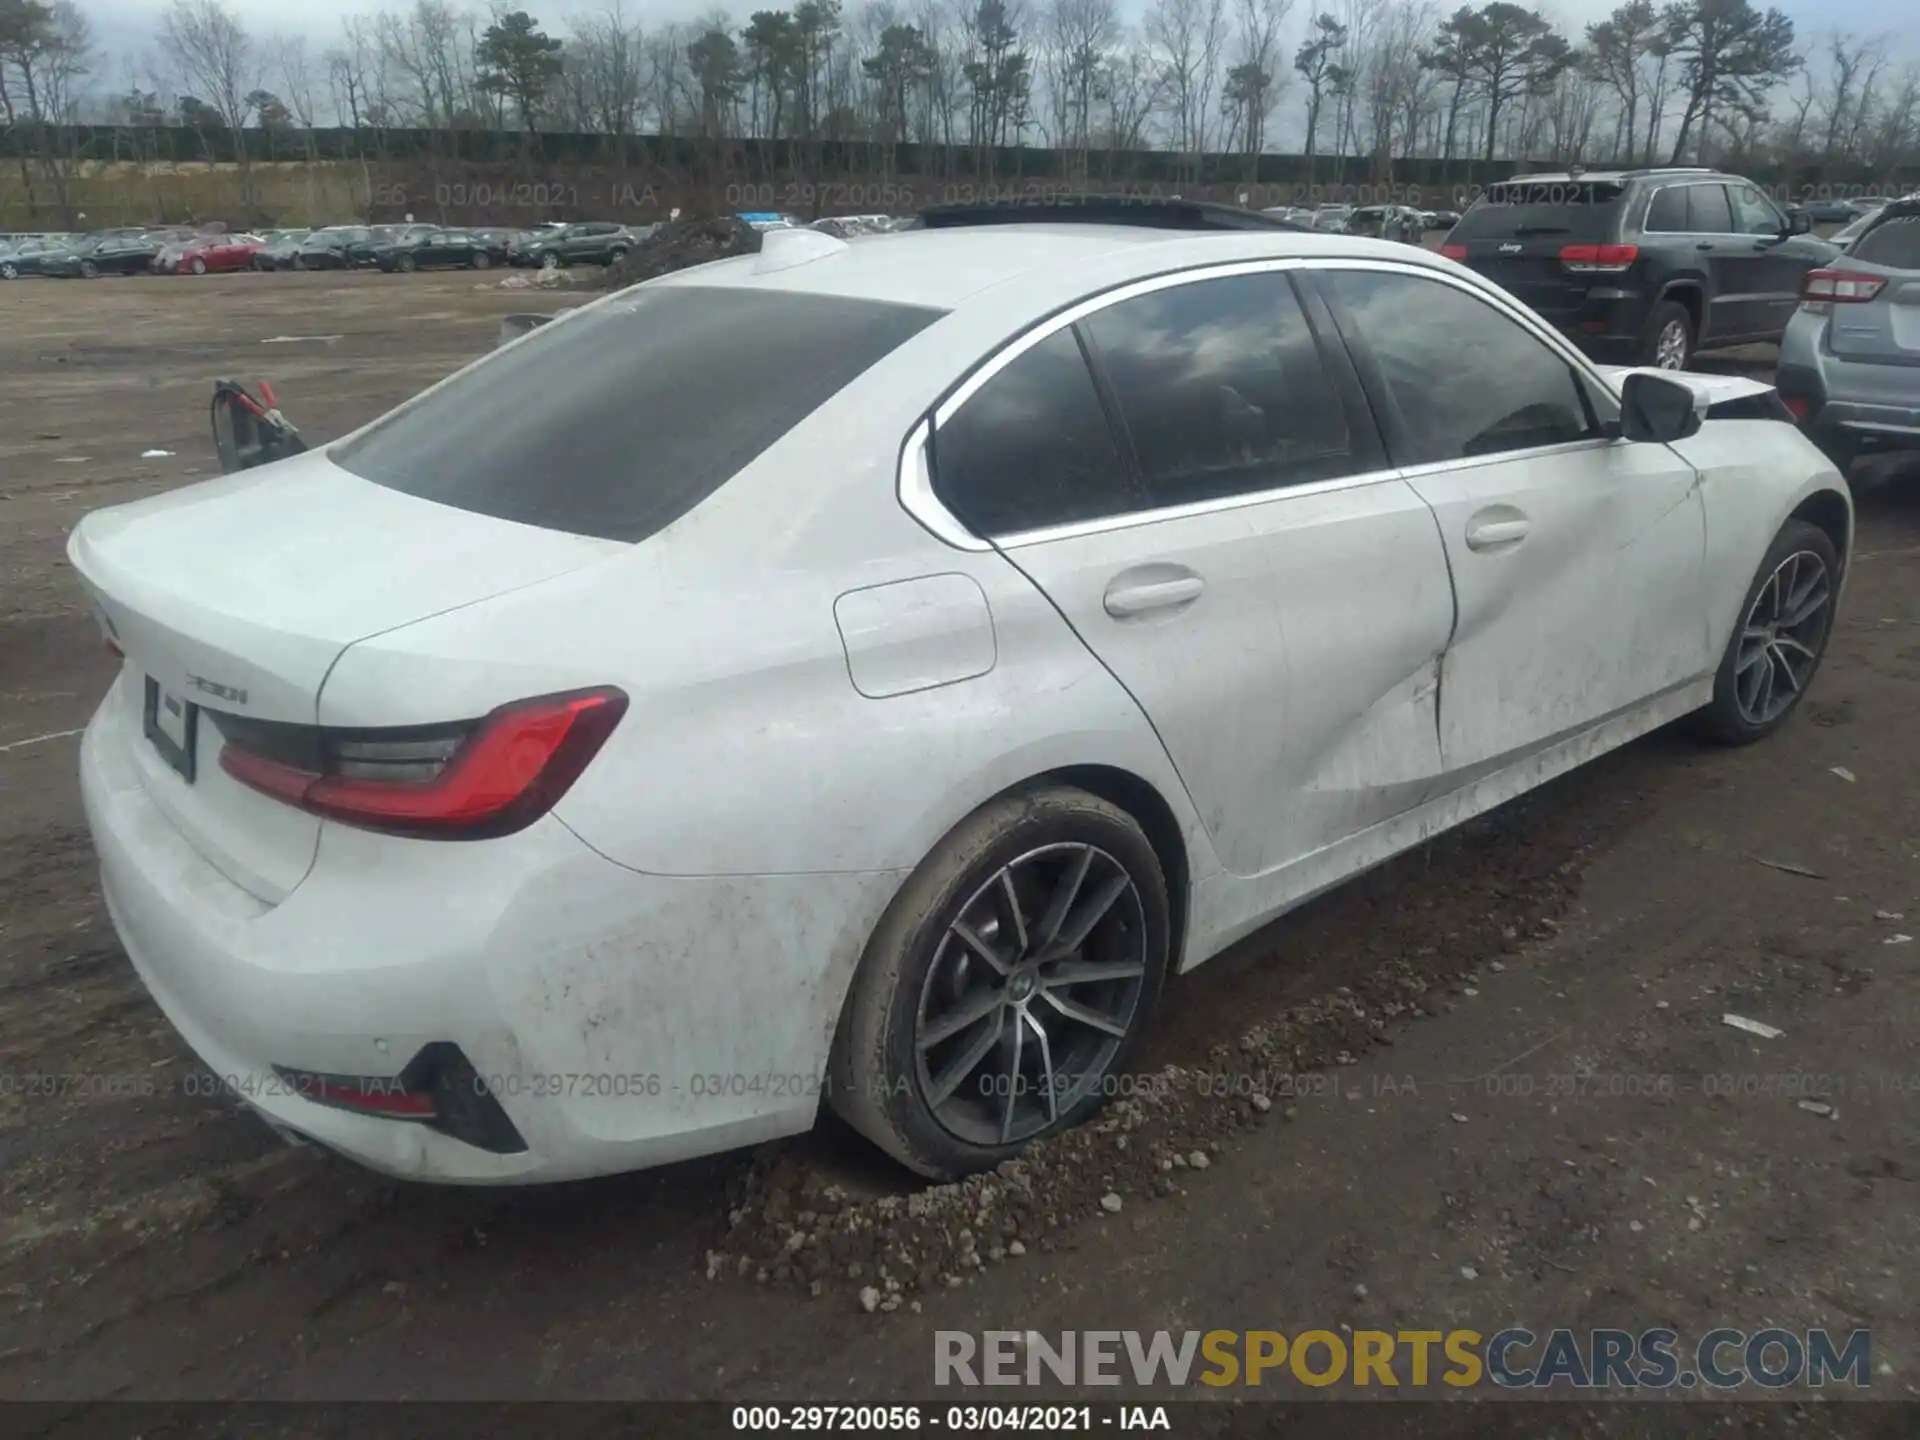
<point x="1513" y="392"/>
<point x="1893" y="241"/>
<point x="1032" y="447"/>
<point x="1222" y="389"/>
<point x="1577" y="209"/>
<point x="1668" y="210"/>
<point x="617" y="421"/>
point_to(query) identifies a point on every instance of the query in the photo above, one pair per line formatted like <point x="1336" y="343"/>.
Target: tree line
<point x="1713" y="81"/>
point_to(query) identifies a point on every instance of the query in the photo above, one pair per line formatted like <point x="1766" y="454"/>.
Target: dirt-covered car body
<point x="918" y="571"/>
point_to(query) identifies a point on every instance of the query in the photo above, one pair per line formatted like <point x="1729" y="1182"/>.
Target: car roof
<point x="943" y="269"/>
<point x="1613" y="177"/>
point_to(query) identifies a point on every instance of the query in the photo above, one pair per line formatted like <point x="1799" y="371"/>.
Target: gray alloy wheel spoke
<point x="968" y="1012"/>
<point x="1085" y="915"/>
<point x="966" y="1062"/>
<point x="1010" y="907"/>
<point x="977" y="943"/>
<point x="1013" y="1082"/>
<point x="1082" y="1014"/>
<point x="1086" y="972"/>
<point x="1783" y="666"/>
<point x="1052" y="1089"/>
<point x="1785" y="642"/>
<point x="1063" y="897"/>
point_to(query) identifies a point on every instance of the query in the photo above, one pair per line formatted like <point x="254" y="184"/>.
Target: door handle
<point x="1490" y="534"/>
<point x="1704" y="245"/>
<point x="1124" y="601"/>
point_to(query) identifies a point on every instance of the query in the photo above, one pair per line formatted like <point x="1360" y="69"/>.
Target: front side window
<point x="1466" y="380"/>
<point x="1032" y="447"/>
<point x="1753" y="213"/>
<point x="1221" y="388"/>
<point x="1707" y="210"/>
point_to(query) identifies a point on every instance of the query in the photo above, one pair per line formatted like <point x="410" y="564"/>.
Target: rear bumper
<point x="620" y="1020"/>
<point x="1859" y="406"/>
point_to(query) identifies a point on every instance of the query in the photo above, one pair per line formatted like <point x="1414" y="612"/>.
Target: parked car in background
<point x="361" y="251"/>
<point x="214" y="253"/>
<point x="1445" y="219"/>
<point x="278" y="252"/>
<point x="124" y="254"/>
<point x="38" y="257"/>
<point x="591" y="242"/>
<point x="328" y="249"/>
<point x="1332" y="218"/>
<point x="1850" y="361"/>
<point x="1291" y="214"/>
<point x="1643" y="267"/>
<point x="1844" y="237"/>
<point x="1387" y="222"/>
<point x="437" y="250"/>
<point x="1831" y="211"/>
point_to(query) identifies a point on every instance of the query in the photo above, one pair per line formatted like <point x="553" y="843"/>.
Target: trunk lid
<point x="1514" y="237"/>
<point x="1886" y="329"/>
<point x="236" y="597"/>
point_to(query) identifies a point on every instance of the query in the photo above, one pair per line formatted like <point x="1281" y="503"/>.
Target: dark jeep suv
<point x="1643" y="267"/>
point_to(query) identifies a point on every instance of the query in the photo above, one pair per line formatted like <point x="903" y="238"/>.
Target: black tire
<point x="1666" y="315"/>
<point x="403" y="264"/>
<point x="547" y="260"/>
<point x="481" y="260"/>
<point x="89" y="270"/>
<point x="197" y="265"/>
<point x="1726" y="720"/>
<point x="299" y="262"/>
<point x="615" y="256"/>
<point x="876" y="1072"/>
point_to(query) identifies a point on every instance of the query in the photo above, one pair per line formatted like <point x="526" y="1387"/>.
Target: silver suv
<point x="1850" y="359"/>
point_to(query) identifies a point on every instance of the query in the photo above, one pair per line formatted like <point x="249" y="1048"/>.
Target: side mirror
<point x="247" y="433"/>
<point x="1653" y="407"/>
<point x="1799" y="222"/>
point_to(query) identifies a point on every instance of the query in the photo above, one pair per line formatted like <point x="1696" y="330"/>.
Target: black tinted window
<point x="1222" y="389"/>
<point x="1578" y="209"/>
<point x="1668" y="209"/>
<point x="615" y="422"/>
<point x="1032" y="447"/>
<point x="1466" y="380"/>
<point x="1894" y="242"/>
<point x="1707" y="211"/>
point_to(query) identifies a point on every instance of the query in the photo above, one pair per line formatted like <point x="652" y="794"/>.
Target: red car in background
<point x="218" y="252"/>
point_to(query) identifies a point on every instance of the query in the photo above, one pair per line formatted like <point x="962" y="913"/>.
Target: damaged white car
<point x="882" y="662"/>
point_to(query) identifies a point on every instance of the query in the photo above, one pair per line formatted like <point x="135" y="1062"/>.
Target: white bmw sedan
<point x="862" y="672"/>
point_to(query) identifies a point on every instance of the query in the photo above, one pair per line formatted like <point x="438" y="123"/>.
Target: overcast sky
<point x="125" y="28"/>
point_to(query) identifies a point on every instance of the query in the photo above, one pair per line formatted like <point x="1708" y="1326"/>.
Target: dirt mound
<point x="680" y="243"/>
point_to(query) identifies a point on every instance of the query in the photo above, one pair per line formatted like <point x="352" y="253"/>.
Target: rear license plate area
<point x="173" y="726"/>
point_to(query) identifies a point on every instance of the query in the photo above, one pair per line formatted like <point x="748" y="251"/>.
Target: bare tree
<point x="214" y="59"/>
<point x="1258" y="77"/>
<point x="1187" y="37"/>
<point x="1075" y="39"/>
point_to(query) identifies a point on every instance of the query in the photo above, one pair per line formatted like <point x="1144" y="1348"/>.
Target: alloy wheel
<point x="1781" y="639"/>
<point x="9" y="272"/>
<point x="1670" y="350"/>
<point x="1030" y="994"/>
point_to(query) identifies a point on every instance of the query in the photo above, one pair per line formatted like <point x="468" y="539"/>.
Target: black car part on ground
<point x="247" y="432"/>
<point x="1175" y="214"/>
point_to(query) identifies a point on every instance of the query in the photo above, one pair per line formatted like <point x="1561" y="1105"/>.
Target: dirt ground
<point x="1501" y="1088"/>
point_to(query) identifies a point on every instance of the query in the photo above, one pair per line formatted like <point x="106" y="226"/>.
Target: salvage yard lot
<point x="1516" y="1098"/>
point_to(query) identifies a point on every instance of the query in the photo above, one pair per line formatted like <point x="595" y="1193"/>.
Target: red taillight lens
<point x="1598" y="257"/>
<point x="1797" y="407"/>
<point x="1839" y="287"/>
<point x="387" y="1097"/>
<point x="493" y="779"/>
<point x="1454" y="252"/>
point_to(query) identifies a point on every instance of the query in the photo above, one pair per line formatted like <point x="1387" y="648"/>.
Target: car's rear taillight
<point x="1798" y="406"/>
<point x="1821" y="288"/>
<point x="1598" y="259"/>
<point x="1454" y="252"/>
<point x="457" y="782"/>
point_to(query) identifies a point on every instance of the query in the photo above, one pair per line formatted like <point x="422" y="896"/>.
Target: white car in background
<point x="878" y="666"/>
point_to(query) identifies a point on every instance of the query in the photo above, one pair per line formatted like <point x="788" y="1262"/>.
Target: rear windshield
<point x="615" y="422"/>
<point x="1894" y="240"/>
<point x="1578" y="209"/>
